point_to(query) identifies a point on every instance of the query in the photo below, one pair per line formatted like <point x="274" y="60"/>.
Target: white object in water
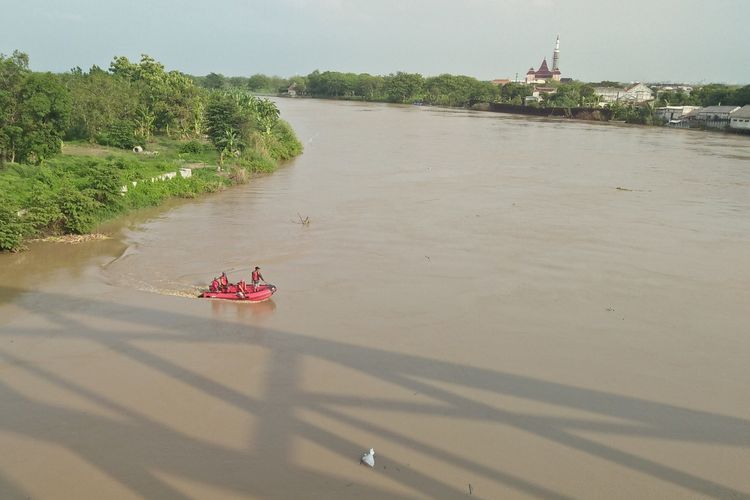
<point x="368" y="458"/>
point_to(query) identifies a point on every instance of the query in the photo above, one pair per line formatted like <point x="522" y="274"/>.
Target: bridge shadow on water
<point x="134" y="449"/>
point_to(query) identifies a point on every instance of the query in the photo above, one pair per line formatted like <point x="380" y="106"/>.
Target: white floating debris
<point x="368" y="458"/>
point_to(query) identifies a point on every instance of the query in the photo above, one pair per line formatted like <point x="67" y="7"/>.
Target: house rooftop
<point x="634" y="86"/>
<point x="718" y="109"/>
<point x="743" y="112"/>
<point x="692" y="113"/>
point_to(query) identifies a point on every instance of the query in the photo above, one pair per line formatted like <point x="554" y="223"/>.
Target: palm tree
<point x="267" y="114"/>
<point x="230" y="143"/>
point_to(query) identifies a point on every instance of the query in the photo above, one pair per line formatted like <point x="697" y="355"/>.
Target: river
<point x="500" y="306"/>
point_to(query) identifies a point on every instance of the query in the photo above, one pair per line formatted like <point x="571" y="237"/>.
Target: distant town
<point x="673" y="114"/>
<point x="542" y="91"/>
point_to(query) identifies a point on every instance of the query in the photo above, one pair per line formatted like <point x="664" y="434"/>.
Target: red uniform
<point x="256" y="277"/>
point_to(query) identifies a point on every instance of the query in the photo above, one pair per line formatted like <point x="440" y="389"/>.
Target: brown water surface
<point x="474" y="298"/>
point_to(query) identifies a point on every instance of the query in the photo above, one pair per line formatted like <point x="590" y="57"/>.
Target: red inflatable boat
<point x="235" y="292"/>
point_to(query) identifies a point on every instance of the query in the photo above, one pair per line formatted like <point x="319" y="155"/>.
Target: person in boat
<point x="256" y="278"/>
<point x="223" y="282"/>
<point x="214" y="285"/>
<point x="241" y="289"/>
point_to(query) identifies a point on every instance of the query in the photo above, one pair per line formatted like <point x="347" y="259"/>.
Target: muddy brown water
<point x="474" y="298"/>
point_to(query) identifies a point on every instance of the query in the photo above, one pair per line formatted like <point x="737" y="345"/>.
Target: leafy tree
<point x="119" y="134"/>
<point x="34" y="111"/>
<point x="258" y="82"/>
<point x="237" y="82"/>
<point x="171" y="97"/>
<point x="215" y="81"/>
<point x="741" y="96"/>
<point x="370" y="87"/>
<point x="675" y="98"/>
<point x="714" y="94"/>
<point x="515" y="92"/>
<point x="44" y="116"/>
<point x="404" y="87"/>
<point x="266" y="113"/>
<point x="223" y="112"/>
<point x="98" y="100"/>
<point x="566" y="96"/>
<point x="14" y="71"/>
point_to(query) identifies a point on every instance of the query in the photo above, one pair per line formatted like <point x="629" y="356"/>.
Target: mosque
<point x="543" y="73"/>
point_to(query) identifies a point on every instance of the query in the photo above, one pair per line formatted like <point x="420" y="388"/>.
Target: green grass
<point x="76" y="190"/>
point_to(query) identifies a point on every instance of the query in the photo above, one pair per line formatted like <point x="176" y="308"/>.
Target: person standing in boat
<point x="256" y="278"/>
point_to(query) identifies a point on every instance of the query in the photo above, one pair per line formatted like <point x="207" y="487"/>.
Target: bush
<point x="103" y="183"/>
<point x="195" y="147"/>
<point x="44" y="215"/>
<point x="11" y="228"/>
<point x="255" y="161"/>
<point x="78" y="210"/>
<point x="286" y="144"/>
<point x="120" y="134"/>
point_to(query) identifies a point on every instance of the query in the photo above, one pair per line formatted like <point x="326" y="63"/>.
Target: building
<point x="672" y="114"/>
<point x="633" y="94"/>
<point x="608" y="95"/>
<point x="543" y="74"/>
<point x="291" y="91"/>
<point x="539" y="94"/>
<point x="638" y="93"/>
<point x="740" y="119"/>
<point x="710" y="117"/>
<point x="671" y="87"/>
<point x="500" y="81"/>
<point x="714" y="113"/>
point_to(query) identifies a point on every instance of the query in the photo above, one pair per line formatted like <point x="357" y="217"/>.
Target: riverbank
<point x="594" y="346"/>
<point x="88" y="184"/>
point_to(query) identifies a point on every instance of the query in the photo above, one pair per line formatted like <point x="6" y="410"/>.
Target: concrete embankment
<point x="595" y="114"/>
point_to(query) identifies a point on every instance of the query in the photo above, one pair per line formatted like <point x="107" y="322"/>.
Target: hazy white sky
<point x="624" y="40"/>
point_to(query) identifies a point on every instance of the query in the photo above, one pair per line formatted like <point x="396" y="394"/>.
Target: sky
<point x="690" y="41"/>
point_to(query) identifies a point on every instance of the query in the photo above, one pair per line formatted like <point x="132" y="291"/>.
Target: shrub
<point x="120" y="134"/>
<point x="78" y="210"/>
<point x="255" y="161"/>
<point x="11" y="228"/>
<point x="44" y="214"/>
<point x="195" y="147"/>
<point x="282" y="144"/>
<point x="103" y="183"/>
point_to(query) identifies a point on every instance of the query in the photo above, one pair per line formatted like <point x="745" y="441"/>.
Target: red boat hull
<point x="263" y="292"/>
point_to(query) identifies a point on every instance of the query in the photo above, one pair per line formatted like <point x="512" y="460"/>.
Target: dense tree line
<point x="34" y="111"/>
<point x="128" y="104"/>
<point x="713" y="94"/>
<point x="401" y="87"/>
<point x="456" y="90"/>
<point x="122" y="106"/>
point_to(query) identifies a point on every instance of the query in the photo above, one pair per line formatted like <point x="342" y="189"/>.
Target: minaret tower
<point x="556" y="55"/>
